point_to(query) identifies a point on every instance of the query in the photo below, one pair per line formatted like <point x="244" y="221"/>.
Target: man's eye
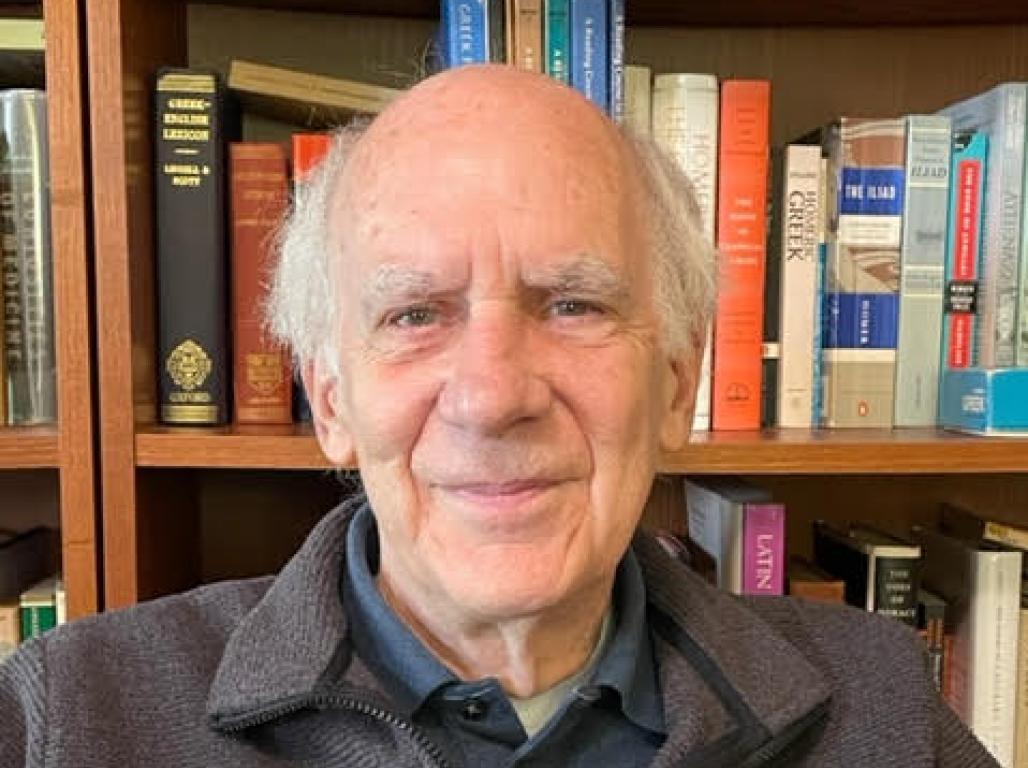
<point x="574" y="308"/>
<point x="414" y="317"/>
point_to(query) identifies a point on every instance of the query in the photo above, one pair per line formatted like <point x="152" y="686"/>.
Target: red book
<point x="309" y="149"/>
<point x="742" y="252"/>
<point x="965" y="246"/>
<point x="262" y="370"/>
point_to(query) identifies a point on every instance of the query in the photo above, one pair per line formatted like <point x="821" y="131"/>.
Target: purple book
<point x="763" y="554"/>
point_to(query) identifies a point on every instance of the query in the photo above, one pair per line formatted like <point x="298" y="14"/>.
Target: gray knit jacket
<point x="261" y="673"/>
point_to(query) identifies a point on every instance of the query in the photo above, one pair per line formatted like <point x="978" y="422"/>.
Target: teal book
<point x="557" y="40"/>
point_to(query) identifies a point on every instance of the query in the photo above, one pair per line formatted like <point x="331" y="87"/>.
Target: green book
<point x="39" y="608"/>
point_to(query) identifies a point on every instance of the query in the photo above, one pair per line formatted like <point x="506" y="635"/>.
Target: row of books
<point x="220" y="203"/>
<point x="961" y="582"/>
<point x="578" y="42"/>
<point x="32" y="596"/>
<point x="889" y="255"/>
<point x="28" y="380"/>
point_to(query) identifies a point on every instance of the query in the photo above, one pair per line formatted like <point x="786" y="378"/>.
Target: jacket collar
<point x="293" y="646"/>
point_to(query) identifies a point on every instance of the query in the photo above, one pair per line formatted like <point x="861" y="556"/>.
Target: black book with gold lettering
<point x="194" y="122"/>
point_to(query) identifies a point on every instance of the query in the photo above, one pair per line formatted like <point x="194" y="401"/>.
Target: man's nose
<point x="494" y="382"/>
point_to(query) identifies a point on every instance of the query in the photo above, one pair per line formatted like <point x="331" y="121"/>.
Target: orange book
<point x="309" y="149"/>
<point x="262" y="370"/>
<point x="742" y="251"/>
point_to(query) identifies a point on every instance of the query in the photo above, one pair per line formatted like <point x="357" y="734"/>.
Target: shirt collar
<point x="412" y="673"/>
<point x="627" y="665"/>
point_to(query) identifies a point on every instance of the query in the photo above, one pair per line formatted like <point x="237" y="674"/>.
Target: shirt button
<point x="473" y="710"/>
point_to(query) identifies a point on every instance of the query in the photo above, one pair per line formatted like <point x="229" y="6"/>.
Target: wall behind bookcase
<point x="29" y="497"/>
<point x="249" y="521"/>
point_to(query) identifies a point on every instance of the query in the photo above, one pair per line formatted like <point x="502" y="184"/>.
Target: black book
<point x="193" y="125"/>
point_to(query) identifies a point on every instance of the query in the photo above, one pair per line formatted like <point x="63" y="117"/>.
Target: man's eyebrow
<point x="390" y="282"/>
<point x="586" y="274"/>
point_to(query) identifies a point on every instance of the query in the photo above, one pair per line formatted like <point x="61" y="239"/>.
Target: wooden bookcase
<point x="183" y="505"/>
<point x="61" y="458"/>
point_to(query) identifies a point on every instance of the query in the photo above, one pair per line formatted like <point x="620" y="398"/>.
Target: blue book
<point x="558" y="40"/>
<point x="465" y="32"/>
<point x="860" y="321"/>
<point x="617" y="59"/>
<point x="590" y="50"/>
<point x="1000" y="114"/>
<point x="985" y="401"/>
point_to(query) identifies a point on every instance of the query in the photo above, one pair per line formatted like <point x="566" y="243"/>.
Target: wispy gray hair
<point x="303" y="305"/>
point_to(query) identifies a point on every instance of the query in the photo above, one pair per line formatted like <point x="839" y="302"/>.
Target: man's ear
<point x="325" y="392"/>
<point x="681" y="374"/>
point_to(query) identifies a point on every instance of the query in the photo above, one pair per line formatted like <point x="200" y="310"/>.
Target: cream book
<point x="303" y="98"/>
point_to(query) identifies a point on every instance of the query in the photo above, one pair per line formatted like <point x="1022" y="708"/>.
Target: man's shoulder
<point x="180" y="634"/>
<point x="847" y="644"/>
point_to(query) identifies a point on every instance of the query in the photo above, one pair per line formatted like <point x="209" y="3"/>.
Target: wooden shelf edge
<point x="848" y="452"/>
<point x="29" y="447"/>
<point x="287" y="447"/>
<point x="775" y="452"/>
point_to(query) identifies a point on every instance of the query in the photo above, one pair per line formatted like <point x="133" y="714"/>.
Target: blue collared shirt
<point x="617" y="718"/>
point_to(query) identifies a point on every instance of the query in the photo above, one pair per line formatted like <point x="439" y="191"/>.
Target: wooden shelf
<point x="29" y="447"/>
<point x="241" y="447"/>
<point x="775" y="452"/>
<point x="854" y="452"/>
<point x="733" y="13"/>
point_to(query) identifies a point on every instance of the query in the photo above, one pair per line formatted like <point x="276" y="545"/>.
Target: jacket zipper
<point x="778" y="746"/>
<point x="424" y="746"/>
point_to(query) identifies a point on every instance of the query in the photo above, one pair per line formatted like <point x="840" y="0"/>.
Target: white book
<point x="638" y="90"/>
<point x="922" y="270"/>
<point x="716" y="518"/>
<point x="685" y="125"/>
<point x="982" y="585"/>
<point x="801" y="214"/>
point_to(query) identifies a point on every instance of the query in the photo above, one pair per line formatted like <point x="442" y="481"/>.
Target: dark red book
<point x="262" y="371"/>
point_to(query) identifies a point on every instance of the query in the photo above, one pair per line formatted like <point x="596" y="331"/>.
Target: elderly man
<point x="497" y="299"/>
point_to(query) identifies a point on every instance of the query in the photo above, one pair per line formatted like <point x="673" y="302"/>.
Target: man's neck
<point x="526" y="655"/>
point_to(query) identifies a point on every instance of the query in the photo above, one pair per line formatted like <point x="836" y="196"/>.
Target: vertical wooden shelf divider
<point x="128" y="40"/>
<point x="67" y="143"/>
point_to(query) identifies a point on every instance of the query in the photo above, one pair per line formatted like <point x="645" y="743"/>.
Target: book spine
<point x="763" y="562"/>
<point x="191" y="249"/>
<point x="589" y="50"/>
<point x="1000" y="113"/>
<point x="262" y="372"/>
<point x="464" y="32"/>
<point x="685" y="125"/>
<point x="799" y="212"/>
<point x="1021" y="718"/>
<point x="528" y="36"/>
<point x="817" y="352"/>
<point x="558" y="40"/>
<point x="994" y="615"/>
<point x="36" y="618"/>
<point x="497" y="26"/>
<point x="638" y="100"/>
<point x="922" y="270"/>
<point x="28" y="346"/>
<point x="715" y="527"/>
<point x="742" y="249"/>
<point x="10" y="628"/>
<point x="964" y="251"/>
<point x="617" y="60"/>
<point x="862" y="280"/>
<point x="895" y="589"/>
